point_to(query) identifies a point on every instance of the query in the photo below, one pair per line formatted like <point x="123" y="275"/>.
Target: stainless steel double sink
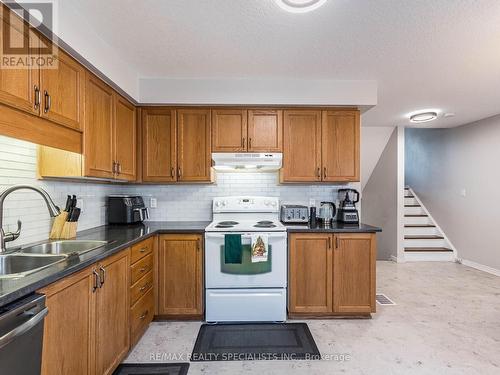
<point x="25" y="261"/>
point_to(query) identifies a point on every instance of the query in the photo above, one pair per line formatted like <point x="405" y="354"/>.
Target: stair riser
<point x="424" y="256"/>
<point x="417" y="220"/>
<point x="421" y="231"/>
<point x="410" y="201"/>
<point x="425" y="243"/>
<point x="414" y="211"/>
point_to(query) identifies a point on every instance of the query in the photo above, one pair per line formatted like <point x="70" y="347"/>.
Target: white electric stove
<point x="247" y="291"/>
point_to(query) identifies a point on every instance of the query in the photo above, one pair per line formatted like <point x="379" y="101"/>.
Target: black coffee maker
<point x="347" y="212"/>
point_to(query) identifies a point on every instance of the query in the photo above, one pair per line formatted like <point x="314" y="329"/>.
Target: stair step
<point x="423" y="237"/>
<point x="412" y="205"/>
<point x="416" y="215"/>
<point x="409" y="196"/>
<point x="428" y="249"/>
<point x="420" y="226"/>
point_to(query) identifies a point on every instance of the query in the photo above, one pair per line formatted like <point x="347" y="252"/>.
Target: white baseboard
<point x="479" y="266"/>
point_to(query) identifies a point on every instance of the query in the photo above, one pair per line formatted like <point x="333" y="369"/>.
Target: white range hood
<point x="246" y="162"/>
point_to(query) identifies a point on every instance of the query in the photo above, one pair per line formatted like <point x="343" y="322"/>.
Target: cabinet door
<point x="310" y="273"/>
<point x="193" y="141"/>
<point x="98" y="135"/>
<point x="159" y="150"/>
<point x="265" y="130"/>
<point x="229" y="130"/>
<point x="17" y="86"/>
<point x="180" y="275"/>
<point x="340" y="146"/>
<point x="301" y="146"/>
<point x="125" y="138"/>
<point x="354" y="273"/>
<point x="63" y="92"/>
<point x="112" y="313"/>
<point x="69" y="326"/>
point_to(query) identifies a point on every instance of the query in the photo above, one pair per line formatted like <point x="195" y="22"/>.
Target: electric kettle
<point x="327" y="212"/>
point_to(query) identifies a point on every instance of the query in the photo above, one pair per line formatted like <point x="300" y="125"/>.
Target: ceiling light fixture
<point x="423" y="116"/>
<point x="300" y="6"/>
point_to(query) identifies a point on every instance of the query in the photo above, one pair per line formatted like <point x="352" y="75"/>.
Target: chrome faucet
<point x="11" y="236"/>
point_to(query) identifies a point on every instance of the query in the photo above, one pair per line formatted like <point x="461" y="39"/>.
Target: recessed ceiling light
<point x="300" y="6"/>
<point x="423" y="116"/>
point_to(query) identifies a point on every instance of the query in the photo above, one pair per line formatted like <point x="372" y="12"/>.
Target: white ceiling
<point x="441" y="54"/>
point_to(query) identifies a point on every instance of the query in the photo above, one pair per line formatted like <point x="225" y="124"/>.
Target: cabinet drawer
<point x="141" y="314"/>
<point x="141" y="287"/>
<point x="141" y="249"/>
<point x="140" y="268"/>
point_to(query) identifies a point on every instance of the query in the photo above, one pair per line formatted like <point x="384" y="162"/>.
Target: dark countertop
<point x="119" y="238"/>
<point x="335" y="228"/>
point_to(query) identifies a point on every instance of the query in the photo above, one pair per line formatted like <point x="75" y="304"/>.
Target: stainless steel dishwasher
<point x="21" y="335"/>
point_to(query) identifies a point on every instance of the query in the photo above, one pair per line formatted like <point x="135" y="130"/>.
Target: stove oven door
<point x="269" y="274"/>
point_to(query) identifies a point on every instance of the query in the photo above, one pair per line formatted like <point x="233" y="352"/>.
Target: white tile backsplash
<point x="174" y="202"/>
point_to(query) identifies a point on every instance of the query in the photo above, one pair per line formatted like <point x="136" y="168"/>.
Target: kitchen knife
<point x="68" y="203"/>
<point x="75" y="214"/>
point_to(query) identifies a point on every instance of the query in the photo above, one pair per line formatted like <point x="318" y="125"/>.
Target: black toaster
<point x="126" y="209"/>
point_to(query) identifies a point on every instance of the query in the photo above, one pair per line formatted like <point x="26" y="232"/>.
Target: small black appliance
<point x="347" y="213"/>
<point x="126" y="209"/>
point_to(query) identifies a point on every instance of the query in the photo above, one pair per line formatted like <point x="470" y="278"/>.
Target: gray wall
<point x="441" y="165"/>
<point x="380" y="199"/>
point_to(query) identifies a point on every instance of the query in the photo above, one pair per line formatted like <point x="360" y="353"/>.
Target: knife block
<point x="58" y="225"/>
<point x="69" y="230"/>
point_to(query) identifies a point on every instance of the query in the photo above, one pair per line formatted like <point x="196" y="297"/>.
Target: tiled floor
<point x="447" y="321"/>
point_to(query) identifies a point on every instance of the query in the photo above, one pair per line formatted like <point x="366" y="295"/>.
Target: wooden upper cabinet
<point x="112" y="318"/>
<point x="340" y="146"/>
<point x="229" y="130"/>
<point x="265" y="130"/>
<point x="63" y="92"/>
<point x="310" y="273"/>
<point x="180" y="275"/>
<point x="301" y="146"/>
<point x="125" y="134"/>
<point x="194" y="158"/>
<point x="98" y="133"/>
<point x="354" y="262"/>
<point x="69" y="328"/>
<point x="159" y="145"/>
<point x="18" y="86"/>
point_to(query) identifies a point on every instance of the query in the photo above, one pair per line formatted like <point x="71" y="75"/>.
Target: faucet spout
<point x="53" y="209"/>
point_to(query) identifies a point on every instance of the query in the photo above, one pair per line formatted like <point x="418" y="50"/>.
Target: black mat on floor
<point x="152" y="369"/>
<point x="250" y="342"/>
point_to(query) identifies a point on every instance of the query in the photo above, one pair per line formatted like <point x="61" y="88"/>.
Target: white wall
<point x="380" y="199"/>
<point x="373" y="141"/>
<point x="441" y="164"/>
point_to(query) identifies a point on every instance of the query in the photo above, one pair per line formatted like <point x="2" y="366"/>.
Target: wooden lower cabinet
<point x="86" y="331"/>
<point x="331" y="274"/>
<point x="180" y="276"/>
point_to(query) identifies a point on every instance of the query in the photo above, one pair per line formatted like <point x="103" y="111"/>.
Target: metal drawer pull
<point x="179" y="174"/>
<point x="143" y="269"/>
<point x="143" y="250"/>
<point x="37" y="97"/>
<point x="102" y="272"/>
<point x="172" y="172"/>
<point x="144" y="288"/>
<point x="47" y="101"/>
<point x="96" y="281"/>
<point x="324" y="172"/>
<point x="318" y="172"/>
<point x="144" y="315"/>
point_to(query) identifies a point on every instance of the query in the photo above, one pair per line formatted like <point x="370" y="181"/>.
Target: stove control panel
<point x="245" y="204"/>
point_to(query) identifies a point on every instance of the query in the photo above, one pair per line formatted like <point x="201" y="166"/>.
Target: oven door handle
<point x="246" y="235"/>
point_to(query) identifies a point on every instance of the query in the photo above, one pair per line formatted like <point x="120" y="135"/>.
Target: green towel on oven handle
<point x="232" y="249"/>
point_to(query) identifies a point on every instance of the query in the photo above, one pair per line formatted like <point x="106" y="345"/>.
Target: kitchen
<point x="185" y="230"/>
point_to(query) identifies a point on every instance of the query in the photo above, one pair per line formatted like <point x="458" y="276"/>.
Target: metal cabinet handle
<point x="96" y="281"/>
<point x="179" y="172"/>
<point x="143" y="269"/>
<point x="142" y="289"/>
<point x="119" y="168"/>
<point x="143" y="250"/>
<point x="198" y="246"/>
<point x="172" y="172"/>
<point x="243" y="142"/>
<point x="114" y="167"/>
<point x="249" y="142"/>
<point x="144" y="315"/>
<point x="37" y="97"/>
<point x="47" y="101"/>
<point x="23" y="328"/>
<point x="102" y="272"/>
<point x="324" y="172"/>
<point x="318" y="172"/>
<point x="329" y="243"/>
<point x="336" y="242"/>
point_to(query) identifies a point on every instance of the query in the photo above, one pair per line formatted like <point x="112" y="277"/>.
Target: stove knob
<point x="273" y="203"/>
<point x="224" y="203"/>
<point x="267" y="203"/>
<point x="217" y="203"/>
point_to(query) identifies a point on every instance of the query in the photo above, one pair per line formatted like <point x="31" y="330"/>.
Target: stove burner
<point x="265" y="222"/>
<point x="224" y="226"/>
<point x="271" y="225"/>
<point x="230" y="223"/>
